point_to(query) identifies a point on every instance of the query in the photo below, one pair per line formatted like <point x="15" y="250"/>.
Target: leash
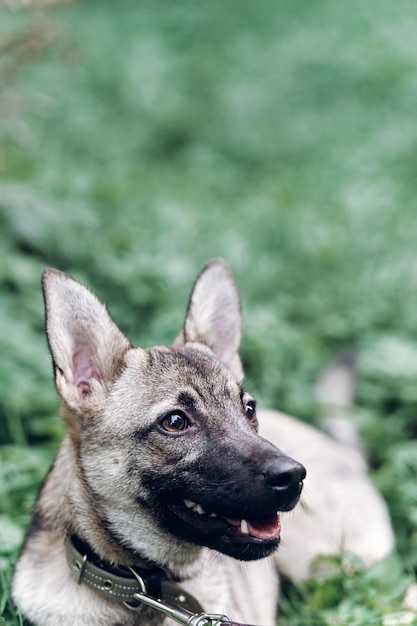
<point x="134" y="590"/>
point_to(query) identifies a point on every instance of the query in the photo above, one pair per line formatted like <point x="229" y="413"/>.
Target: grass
<point x="140" y="139"/>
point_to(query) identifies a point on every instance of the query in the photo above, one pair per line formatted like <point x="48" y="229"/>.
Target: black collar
<point x="120" y="583"/>
<point x="135" y="588"/>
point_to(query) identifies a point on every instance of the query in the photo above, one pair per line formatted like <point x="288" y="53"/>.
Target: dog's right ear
<point x="86" y="345"/>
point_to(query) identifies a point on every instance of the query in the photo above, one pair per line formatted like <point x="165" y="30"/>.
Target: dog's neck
<point x="147" y="589"/>
<point x="122" y="584"/>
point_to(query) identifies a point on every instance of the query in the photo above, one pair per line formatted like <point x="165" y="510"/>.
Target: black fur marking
<point x="185" y="400"/>
<point x="142" y="433"/>
<point x="38" y="524"/>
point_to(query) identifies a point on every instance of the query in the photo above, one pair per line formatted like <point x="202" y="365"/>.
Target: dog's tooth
<point x="213" y="515"/>
<point x="197" y="508"/>
<point x="244" y="527"/>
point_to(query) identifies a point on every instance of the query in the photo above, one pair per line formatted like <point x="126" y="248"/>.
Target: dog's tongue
<point x="265" y="530"/>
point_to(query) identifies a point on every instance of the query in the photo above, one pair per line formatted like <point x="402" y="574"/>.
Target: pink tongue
<point x="265" y="530"/>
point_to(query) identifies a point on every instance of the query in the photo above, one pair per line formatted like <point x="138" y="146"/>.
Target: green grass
<point x="144" y="138"/>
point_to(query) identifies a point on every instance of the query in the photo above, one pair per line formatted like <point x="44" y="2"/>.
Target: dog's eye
<point x="175" y="422"/>
<point x="251" y="412"/>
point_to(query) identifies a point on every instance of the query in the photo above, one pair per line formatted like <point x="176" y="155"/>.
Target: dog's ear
<point x="86" y="345"/>
<point x="214" y="315"/>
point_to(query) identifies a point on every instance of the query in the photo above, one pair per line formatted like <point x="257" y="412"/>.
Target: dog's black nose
<point x="284" y="474"/>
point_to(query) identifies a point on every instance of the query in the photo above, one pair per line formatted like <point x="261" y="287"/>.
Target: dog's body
<point x="162" y="468"/>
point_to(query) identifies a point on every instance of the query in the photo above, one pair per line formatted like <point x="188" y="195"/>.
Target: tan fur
<point x="99" y="486"/>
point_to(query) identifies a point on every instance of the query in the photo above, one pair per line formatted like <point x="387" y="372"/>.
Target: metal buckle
<point x="181" y="615"/>
<point x="207" y="618"/>
<point x="142" y="586"/>
<point x="78" y="568"/>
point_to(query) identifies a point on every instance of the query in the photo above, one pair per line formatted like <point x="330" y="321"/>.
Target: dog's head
<point x="166" y="438"/>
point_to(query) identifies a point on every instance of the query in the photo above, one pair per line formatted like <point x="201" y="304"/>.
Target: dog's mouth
<point x="265" y="529"/>
<point x="245" y="538"/>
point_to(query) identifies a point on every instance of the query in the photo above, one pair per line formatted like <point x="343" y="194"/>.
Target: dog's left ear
<point x="214" y="315"/>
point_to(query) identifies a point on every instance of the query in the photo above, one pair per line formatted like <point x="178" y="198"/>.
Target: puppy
<point x="169" y="484"/>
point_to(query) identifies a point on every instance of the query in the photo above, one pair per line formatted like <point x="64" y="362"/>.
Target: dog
<point x="169" y="482"/>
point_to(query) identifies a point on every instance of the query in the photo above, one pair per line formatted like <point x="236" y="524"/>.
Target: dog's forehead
<point x="158" y="380"/>
<point x="182" y="367"/>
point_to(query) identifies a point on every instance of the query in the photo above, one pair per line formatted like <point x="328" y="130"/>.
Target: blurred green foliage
<point x="343" y="593"/>
<point x="140" y="139"/>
